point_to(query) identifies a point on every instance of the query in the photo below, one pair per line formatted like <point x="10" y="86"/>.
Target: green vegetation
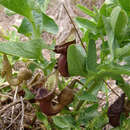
<point x="110" y="24"/>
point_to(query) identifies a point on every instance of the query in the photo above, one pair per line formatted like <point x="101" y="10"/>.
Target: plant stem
<point x="79" y="105"/>
<point x="36" y="34"/>
<point x="110" y="88"/>
<point x="35" y="29"/>
<point x="71" y="85"/>
<point x="74" y="27"/>
<point x="35" y="64"/>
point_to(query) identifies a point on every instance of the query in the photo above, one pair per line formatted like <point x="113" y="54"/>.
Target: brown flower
<point x="115" y="110"/>
<point x="62" y="61"/>
<point x="47" y="105"/>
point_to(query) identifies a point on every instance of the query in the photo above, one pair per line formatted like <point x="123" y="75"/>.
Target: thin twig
<point x="3" y="95"/>
<point x="110" y="88"/>
<point x="14" y="120"/>
<point x="79" y="105"/>
<point x="4" y="86"/>
<point x="74" y="27"/>
<point x="71" y="85"/>
<point x="21" y="124"/>
<point x="16" y="90"/>
<point x="8" y="106"/>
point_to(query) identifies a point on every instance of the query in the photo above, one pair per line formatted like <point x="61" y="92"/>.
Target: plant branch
<point x="74" y="27"/>
<point x="3" y="95"/>
<point x="22" y="118"/>
<point x="110" y="88"/>
<point x="79" y="105"/>
<point x="9" y="105"/>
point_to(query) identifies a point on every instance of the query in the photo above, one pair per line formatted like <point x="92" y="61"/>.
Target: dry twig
<point x="14" y="120"/>
<point x="110" y="88"/>
<point x="16" y="90"/>
<point x="8" y="106"/>
<point x="22" y="119"/>
<point x="4" y="85"/>
<point x="3" y="95"/>
<point x="74" y="27"/>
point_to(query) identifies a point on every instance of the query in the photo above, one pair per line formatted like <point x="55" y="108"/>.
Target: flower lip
<point x="44" y="94"/>
<point x="63" y="48"/>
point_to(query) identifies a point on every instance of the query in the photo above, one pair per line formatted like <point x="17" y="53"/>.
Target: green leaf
<point x="88" y="97"/>
<point x="111" y="2"/>
<point x="76" y="57"/>
<point x="87" y="24"/>
<point x="100" y="121"/>
<point x="119" y="21"/>
<point x="126" y="88"/>
<point x="110" y="35"/>
<point x="123" y="52"/>
<point x="26" y="28"/>
<point x="61" y="122"/>
<point x="100" y="25"/>
<point x="125" y="4"/>
<point x="44" y="119"/>
<point x="106" y="9"/>
<point x="95" y="86"/>
<point x="43" y="4"/>
<point x="104" y="51"/>
<point x="103" y="10"/>
<point x="86" y="11"/>
<point x="127" y="60"/>
<point x="88" y="114"/>
<point x="19" y="6"/>
<point x="48" y="24"/>
<point x="43" y="23"/>
<point x="91" y="62"/>
<point x="28" y="94"/>
<point x="30" y="49"/>
<point x="116" y="69"/>
<point x="9" y="12"/>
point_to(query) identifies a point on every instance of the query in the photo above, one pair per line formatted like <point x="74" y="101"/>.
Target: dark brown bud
<point x="66" y="96"/>
<point x="115" y="110"/>
<point x="127" y="108"/>
<point x="24" y="74"/>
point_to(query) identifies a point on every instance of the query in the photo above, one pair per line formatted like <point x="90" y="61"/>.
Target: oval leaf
<point x="43" y="23"/>
<point x="88" y="97"/>
<point x="123" y="52"/>
<point x="76" y="57"/>
<point x="26" y="27"/>
<point x="61" y="122"/>
<point x="87" y="24"/>
<point x="30" y="49"/>
<point x="86" y="11"/>
<point x="119" y="21"/>
<point x="110" y="35"/>
<point x="49" y="24"/>
<point x="125" y="4"/>
<point x="19" y="6"/>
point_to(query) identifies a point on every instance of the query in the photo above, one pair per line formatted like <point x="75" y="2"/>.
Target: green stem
<point x="35" y="29"/>
<point x="36" y="33"/>
<point x="79" y="105"/>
